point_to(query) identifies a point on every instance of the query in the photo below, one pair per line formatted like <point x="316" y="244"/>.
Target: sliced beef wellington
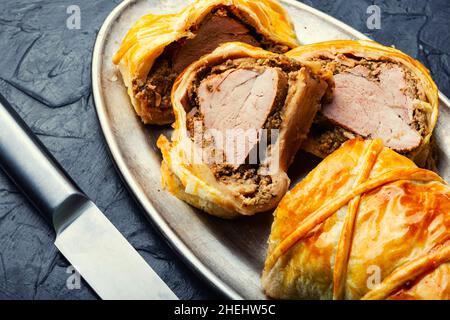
<point x="159" y="47"/>
<point x="241" y="114"/>
<point x="379" y="92"/>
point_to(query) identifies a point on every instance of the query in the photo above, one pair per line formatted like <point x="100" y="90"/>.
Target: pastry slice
<point x="241" y="114"/>
<point x="366" y="223"/>
<point x="159" y="47"/>
<point x="379" y="92"/>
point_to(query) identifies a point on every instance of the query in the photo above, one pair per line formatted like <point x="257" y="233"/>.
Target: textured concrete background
<point x="45" y="74"/>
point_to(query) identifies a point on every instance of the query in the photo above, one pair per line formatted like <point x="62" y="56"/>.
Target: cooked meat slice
<point x="217" y="28"/>
<point x="237" y="103"/>
<point x="214" y="31"/>
<point x="374" y="109"/>
<point x="239" y="89"/>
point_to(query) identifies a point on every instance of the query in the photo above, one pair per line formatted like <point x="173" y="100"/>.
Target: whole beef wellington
<point x="158" y="47"/>
<point x="366" y="223"/>
<point x="241" y="114"/>
<point x="379" y="92"/>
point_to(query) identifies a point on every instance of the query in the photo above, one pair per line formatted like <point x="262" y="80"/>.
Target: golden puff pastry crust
<point x="221" y="189"/>
<point x="153" y="35"/>
<point x="367" y="223"/>
<point x="334" y="58"/>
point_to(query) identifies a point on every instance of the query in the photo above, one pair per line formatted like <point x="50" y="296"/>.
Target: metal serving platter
<point x="229" y="254"/>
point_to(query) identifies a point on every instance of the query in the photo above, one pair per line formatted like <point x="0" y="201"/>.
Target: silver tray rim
<point x="163" y="227"/>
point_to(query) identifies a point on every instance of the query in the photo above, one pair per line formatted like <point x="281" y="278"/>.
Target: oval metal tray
<point x="229" y="254"/>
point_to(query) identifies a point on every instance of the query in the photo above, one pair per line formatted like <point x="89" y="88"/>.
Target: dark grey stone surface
<point x="45" y="74"/>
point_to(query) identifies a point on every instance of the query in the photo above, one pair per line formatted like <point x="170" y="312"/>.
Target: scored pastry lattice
<point x="363" y="185"/>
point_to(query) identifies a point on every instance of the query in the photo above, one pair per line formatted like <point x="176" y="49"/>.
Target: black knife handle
<point x="34" y="170"/>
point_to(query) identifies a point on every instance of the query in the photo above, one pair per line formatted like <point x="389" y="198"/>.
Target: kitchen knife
<point x="95" y="248"/>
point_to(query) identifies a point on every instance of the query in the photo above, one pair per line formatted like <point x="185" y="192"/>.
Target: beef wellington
<point x="158" y="47"/>
<point x="380" y="92"/>
<point x="241" y="115"/>
<point x="366" y="223"/>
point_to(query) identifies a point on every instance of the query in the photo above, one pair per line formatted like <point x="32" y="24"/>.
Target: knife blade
<point x="89" y="241"/>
